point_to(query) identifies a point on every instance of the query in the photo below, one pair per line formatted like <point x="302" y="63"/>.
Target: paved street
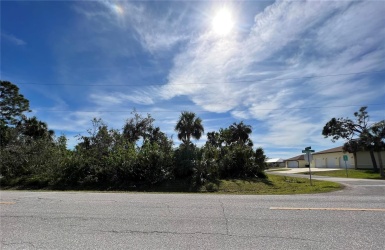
<point x="81" y="220"/>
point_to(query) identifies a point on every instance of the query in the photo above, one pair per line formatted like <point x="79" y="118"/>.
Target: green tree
<point x="213" y="139"/>
<point x="95" y="157"/>
<point x="260" y="159"/>
<point x="34" y="128"/>
<point x="378" y="141"/>
<point x="106" y="159"/>
<point x="352" y="146"/>
<point x="12" y="103"/>
<point x="234" y="155"/>
<point x="137" y="127"/>
<point x="37" y="163"/>
<point x="358" y="131"/>
<point x="12" y="107"/>
<point x="155" y="135"/>
<point x="154" y="164"/>
<point x="6" y="134"/>
<point x="189" y="125"/>
<point x="100" y="140"/>
<point x="225" y="137"/>
<point x="237" y="161"/>
<point x="240" y="133"/>
<point x="184" y="160"/>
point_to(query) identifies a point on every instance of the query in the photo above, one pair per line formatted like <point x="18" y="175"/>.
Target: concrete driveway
<point x="300" y="170"/>
<point x="353" y="186"/>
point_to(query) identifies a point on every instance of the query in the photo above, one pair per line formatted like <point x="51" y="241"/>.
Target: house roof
<point x="274" y="160"/>
<point x="296" y="158"/>
<point x="332" y="150"/>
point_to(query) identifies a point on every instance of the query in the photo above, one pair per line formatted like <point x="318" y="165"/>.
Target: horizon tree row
<point x="140" y="155"/>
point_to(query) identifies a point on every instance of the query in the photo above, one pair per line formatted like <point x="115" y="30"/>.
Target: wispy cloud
<point x="289" y="41"/>
<point x="115" y="99"/>
<point x="286" y="74"/>
<point x="13" y="39"/>
<point x="155" y="30"/>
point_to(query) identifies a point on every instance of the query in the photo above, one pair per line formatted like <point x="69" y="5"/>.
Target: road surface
<point x="348" y="219"/>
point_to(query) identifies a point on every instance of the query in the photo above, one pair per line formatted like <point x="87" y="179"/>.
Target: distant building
<point x="334" y="158"/>
<point x="275" y="162"/>
<point x="296" y="162"/>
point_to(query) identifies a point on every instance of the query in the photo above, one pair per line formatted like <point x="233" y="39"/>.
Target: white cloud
<point x="303" y="38"/>
<point x="155" y="30"/>
<point x="13" y="39"/>
<point x="259" y="75"/>
<point x="120" y="99"/>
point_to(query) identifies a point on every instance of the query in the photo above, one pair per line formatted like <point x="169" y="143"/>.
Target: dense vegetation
<point x="137" y="157"/>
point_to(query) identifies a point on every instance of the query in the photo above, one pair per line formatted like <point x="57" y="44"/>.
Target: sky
<point x="283" y="67"/>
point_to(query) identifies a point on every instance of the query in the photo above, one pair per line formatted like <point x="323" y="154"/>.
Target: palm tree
<point x="34" y="128"/>
<point x="240" y="133"/>
<point x="189" y="125"/>
<point x="213" y="139"/>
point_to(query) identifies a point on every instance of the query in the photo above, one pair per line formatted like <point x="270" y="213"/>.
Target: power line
<point x="200" y="111"/>
<point x="202" y="83"/>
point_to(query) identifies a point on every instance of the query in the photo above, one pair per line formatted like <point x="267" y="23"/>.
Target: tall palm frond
<point x="189" y="125"/>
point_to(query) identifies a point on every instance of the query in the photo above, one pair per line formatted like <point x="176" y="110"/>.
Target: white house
<point x="295" y="162"/>
<point x="275" y="162"/>
<point x="364" y="161"/>
<point x="334" y="158"/>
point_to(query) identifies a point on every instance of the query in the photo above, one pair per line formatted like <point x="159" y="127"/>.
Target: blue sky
<point x="285" y="68"/>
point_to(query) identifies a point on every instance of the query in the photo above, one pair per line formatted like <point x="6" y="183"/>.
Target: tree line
<point x="137" y="157"/>
<point x="140" y="156"/>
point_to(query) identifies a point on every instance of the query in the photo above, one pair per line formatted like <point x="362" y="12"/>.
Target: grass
<point x="274" y="185"/>
<point x="352" y="173"/>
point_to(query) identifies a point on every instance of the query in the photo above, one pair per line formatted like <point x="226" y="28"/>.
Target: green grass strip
<point x="274" y="185"/>
<point x="352" y="173"/>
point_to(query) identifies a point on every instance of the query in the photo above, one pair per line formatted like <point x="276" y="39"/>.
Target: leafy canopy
<point x="12" y="103"/>
<point x="359" y="134"/>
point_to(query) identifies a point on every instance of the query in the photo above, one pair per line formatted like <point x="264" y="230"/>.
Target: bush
<point x="154" y="164"/>
<point x="184" y="161"/>
<point x="211" y="187"/>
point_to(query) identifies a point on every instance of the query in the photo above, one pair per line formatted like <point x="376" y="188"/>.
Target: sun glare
<point x="223" y="22"/>
<point x="118" y="9"/>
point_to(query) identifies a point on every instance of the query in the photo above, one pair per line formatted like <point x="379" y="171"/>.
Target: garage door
<point x="319" y="163"/>
<point x="292" y="164"/>
<point x="331" y="162"/>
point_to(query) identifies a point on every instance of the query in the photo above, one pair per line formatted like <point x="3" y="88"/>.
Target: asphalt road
<point x="80" y="220"/>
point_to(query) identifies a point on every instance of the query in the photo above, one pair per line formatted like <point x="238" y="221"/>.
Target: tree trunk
<point x="355" y="159"/>
<point x="375" y="168"/>
<point x="381" y="165"/>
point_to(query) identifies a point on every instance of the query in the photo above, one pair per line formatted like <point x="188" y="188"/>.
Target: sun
<point x="223" y="22"/>
<point x="118" y="9"/>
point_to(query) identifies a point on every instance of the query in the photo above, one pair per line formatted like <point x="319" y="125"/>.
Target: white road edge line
<point x="329" y="209"/>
